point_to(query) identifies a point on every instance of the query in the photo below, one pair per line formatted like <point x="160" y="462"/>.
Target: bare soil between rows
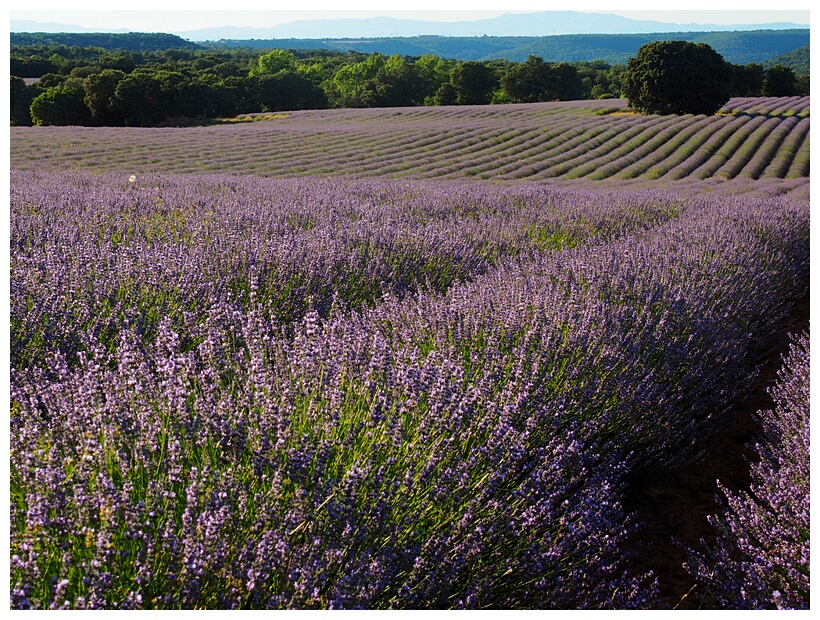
<point x="673" y="506"/>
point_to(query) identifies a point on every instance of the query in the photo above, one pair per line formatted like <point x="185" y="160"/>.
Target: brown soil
<point x="673" y="505"/>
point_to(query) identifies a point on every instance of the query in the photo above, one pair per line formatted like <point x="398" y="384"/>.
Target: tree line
<point x="96" y="87"/>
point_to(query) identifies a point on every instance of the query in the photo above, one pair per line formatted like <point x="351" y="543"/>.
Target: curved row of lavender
<point x="90" y="251"/>
<point x="592" y="140"/>
<point x="400" y="443"/>
<point x="761" y="559"/>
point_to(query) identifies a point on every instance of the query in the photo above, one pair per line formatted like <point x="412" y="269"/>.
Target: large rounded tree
<point x="677" y="77"/>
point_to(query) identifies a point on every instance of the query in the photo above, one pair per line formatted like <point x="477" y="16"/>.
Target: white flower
<point x="132" y="178"/>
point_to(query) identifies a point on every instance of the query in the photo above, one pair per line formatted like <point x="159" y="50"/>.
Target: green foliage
<point x="315" y="72"/>
<point x="677" y="77"/>
<point x="144" y="98"/>
<point x="528" y="82"/>
<point x="20" y="98"/>
<point x="446" y="95"/>
<point x="61" y="105"/>
<point x="348" y="82"/>
<point x="752" y="45"/>
<point x="132" y="41"/>
<point x="31" y="65"/>
<point x="397" y="84"/>
<point x="433" y="71"/>
<point x="274" y="62"/>
<point x="798" y="60"/>
<point x="51" y="79"/>
<point x="803" y="86"/>
<point x="739" y="47"/>
<point x="535" y="80"/>
<point x="287" y="90"/>
<point x="473" y="83"/>
<point x="567" y="84"/>
<point x="780" y="81"/>
<point x="99" y="96"/>
<point x="176" y="85"/>
<point x="747" y="81"/>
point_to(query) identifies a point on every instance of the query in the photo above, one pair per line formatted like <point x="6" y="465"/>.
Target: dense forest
<point x="58" y="84"/>
<point x="129" y="41"/>
<point x="737" y="47"/>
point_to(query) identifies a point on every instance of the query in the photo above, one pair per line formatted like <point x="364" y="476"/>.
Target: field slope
<point x="317" y="361"/>
<point x="595" y="140"/>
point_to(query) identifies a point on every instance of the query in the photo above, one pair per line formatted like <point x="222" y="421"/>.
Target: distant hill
<point x="536" y="24"/>
<point x="128" y="41"/>
<point x="756" y="46"/>
<point x="738" y="47"/>
<point x="735" y="47"/>
<point x="532" y="24"/>
<point x="797" y="60"/>
<point x="460" y="48"/>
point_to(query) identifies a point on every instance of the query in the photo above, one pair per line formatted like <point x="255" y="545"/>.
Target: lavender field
<point x="752" y="138"/>
<point x="401" y="359"/>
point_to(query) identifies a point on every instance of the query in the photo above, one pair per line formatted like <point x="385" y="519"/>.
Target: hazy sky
<point x="155" y="15"/>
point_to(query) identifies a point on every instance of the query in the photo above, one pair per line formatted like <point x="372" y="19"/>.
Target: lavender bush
<point x="396" y="443"/>
<point x="786" y="152"/>
<point x="761" y="559"/>
<point x="93" y="252"/>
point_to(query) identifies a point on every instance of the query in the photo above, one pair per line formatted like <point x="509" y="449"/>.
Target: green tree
<point x="147" y="97"/>
<point x="51" y="79"/>
<point x="747" y="80"/>
<point x="527" y="82"/>
<point x="20" y="98"/>
<point x="61" y="105"/>
<point x="99" y="91"/>
<point x="233" y="95"/>
<point x="315" y="72"/>
<point x="274" y="62"/>
<point x="350" y="81"/>
<point x="433" y="72"/>
<point x="397" y="83"/>
<point x="613" y="78"/>
<point x="123" y="61"/>
<point x="780" y="81"/>
<point x="135" y="99"/>
<point x="31" y="66"/>
<point x="803" y="85"/>
<point x="58" y="61"/>
<point x="473" y="83"/>
<point x="564" y="82"/>
<point x="226" y="69"/>
<point x="287" y="90"/>
<point x="535" y="80"/>
<point x="84" y="71"/>
<point x="446" y="95"/>
<point x="677" y="77"/>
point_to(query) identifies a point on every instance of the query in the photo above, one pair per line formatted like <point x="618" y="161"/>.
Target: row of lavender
<point x="92" y="252"/>
<point x="459" y="447"/>
<point x="759" y="138"/>
<point x="761" y="559"/>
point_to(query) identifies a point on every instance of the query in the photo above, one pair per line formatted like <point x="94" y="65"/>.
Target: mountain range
<point x="510" y="24"/>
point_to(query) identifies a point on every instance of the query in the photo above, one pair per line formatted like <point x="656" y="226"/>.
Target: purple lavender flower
<point x="761" y="559"/>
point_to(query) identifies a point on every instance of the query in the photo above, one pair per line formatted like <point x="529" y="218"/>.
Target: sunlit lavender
<point x="752" y="138"/>
<point x="234" y="392"/>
